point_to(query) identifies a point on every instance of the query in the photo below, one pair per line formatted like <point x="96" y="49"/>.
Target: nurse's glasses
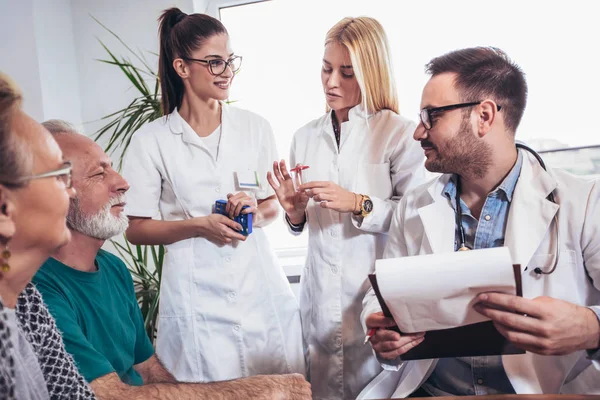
<point x="217" y="66"/>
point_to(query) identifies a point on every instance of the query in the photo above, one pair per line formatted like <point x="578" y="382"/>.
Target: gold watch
<point x="366" y="205"/>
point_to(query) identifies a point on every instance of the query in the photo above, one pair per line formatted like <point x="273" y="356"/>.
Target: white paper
<point x="438" y="291"/>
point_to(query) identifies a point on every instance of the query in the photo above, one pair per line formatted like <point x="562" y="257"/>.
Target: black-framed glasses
<point x="427" y="113"/>
<point x="64" y="173"/>
<point x="217" y="66"/>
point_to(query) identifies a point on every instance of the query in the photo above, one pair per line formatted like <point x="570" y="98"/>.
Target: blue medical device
<point x="245" y="220"/>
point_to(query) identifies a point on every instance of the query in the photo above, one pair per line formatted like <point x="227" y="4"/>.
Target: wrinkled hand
<point x="331" y="196"/>
<point x="293" y="202"/>
<point x="389" y="344"/>
<point x="219" y="229"/>
<point x="235" y="202"/>
<point x="543" y="325"/>
<point x="287" y="387"/>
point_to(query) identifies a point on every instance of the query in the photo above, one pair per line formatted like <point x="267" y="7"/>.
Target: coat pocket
<point x="175" y="288"/>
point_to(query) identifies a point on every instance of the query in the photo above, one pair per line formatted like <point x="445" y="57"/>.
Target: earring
<point x="4" y="257"/>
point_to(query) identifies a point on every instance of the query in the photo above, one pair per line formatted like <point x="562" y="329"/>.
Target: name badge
<point x="247" y="180"/>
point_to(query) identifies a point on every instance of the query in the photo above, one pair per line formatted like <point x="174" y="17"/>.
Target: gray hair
<point x="56" y="126"/>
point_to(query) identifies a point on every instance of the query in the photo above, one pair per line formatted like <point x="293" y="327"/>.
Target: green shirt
<point x="98" y="315"/>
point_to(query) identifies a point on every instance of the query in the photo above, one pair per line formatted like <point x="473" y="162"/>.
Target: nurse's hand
<point x="293" y="202"/>
<point x="389" y="344"/>
<point x="332" y="196"/>
<point x="235" y="202"/>
<point x="219" y="229"/>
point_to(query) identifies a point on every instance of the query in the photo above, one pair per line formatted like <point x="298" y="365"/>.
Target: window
<point x="282" y="45"/>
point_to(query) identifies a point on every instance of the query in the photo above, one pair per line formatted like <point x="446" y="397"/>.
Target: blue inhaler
<point x="245" y="220"/>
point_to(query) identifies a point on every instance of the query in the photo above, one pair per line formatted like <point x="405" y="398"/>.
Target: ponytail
<point x="180" y="34"/>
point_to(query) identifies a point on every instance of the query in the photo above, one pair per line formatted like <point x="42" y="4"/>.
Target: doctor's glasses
<point x="217" y="66"/>
<point x="426" y="114"/>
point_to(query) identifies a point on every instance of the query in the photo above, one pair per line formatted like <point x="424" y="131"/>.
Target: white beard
<point x="102" y="225"/>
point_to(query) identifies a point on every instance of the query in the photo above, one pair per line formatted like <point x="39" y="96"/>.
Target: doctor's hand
<point x="219" y="229"/>
<point x="332" y="196"/>
<point x="387" y="343"/>
<point x="543" y="325"/>
<point x="293" y="202"/>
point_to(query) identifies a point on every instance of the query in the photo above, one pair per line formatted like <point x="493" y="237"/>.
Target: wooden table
<point x="516" y="397"/>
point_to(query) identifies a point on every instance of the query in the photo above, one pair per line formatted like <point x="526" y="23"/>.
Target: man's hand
<point x="542" y="325"/>
<point x="389" y="344"/>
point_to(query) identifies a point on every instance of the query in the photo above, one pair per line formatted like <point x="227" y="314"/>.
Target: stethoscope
<point x="463" y="246"/>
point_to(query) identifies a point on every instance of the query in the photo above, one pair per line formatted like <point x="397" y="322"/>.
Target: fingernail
<point x="483" y="297"/>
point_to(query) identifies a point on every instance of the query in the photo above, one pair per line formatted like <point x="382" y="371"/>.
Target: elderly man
<point x="90" y="294"/>
<point x="493" y="194"/>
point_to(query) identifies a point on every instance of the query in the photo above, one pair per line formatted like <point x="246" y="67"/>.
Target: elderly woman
<point x="35" y="189"/>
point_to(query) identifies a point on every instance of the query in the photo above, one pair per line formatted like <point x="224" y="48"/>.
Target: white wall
<point x="51" y="47"/>
<point x="57" y="62"/>
<point x="18" y="53"/>
<point x="104" y="88"/>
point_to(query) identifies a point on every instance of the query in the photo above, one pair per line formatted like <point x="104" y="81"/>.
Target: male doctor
<point x="550" y="220"/>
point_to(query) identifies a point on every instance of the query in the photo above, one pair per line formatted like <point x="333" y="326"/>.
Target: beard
<point x="103" y="225"/>
<point x="463" y="154"/>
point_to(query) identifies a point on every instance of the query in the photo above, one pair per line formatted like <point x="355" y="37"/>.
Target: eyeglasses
<point x="64" y="173"/>
<point x="218" y="66"/>
<point x="427" y="113"/>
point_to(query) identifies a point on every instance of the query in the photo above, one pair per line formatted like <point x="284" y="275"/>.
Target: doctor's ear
<point x="488" y="111"/>
<point x="181" y="68"/>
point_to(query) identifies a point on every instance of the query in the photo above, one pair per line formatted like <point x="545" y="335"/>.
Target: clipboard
<point x="480" y="339"/>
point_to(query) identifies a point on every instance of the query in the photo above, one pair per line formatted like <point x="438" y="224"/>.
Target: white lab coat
<point x="225" y="311"/>
<point x="424" y="223"/>
<point x="381" y="160"/>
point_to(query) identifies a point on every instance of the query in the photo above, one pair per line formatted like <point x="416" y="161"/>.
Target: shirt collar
<point x="179" y="126"/>
<point x="175" y="122"/>
<point x="355" y="114"/>
<point x="507" y="186"/>
<point x="509" y="183"/>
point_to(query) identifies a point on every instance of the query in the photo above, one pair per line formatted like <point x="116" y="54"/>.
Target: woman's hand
<point x="293" y="202"/>
<point x="332" y="196"/>
<point x="235" y="202"/>
<point x="219" y="229"/>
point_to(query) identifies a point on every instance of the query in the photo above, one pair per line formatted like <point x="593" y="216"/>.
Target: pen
<point x="369" y="335"/>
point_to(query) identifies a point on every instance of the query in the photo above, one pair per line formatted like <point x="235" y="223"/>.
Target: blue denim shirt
<point x="466" y="376"/>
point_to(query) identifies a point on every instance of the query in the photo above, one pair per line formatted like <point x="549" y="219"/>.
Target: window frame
<point x="213" y="7"/>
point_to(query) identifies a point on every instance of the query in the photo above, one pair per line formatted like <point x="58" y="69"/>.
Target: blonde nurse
<point x="362" y="160"/>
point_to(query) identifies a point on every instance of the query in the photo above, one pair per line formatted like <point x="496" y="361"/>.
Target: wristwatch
<point x="366" y="205"/>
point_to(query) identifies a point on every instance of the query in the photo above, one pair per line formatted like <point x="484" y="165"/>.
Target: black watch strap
<point x="295" y="227"/>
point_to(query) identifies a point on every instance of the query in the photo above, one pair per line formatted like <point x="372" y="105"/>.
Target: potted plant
<point x="144" y="262"/>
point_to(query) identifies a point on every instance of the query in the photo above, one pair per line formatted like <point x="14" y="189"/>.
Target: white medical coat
<point x="225" y="311"/>
<point x="379" y="159"/>
<point x="424" y="223"/>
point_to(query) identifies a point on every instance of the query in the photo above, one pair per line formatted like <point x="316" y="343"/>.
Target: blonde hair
<point x="367" y="44"/>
